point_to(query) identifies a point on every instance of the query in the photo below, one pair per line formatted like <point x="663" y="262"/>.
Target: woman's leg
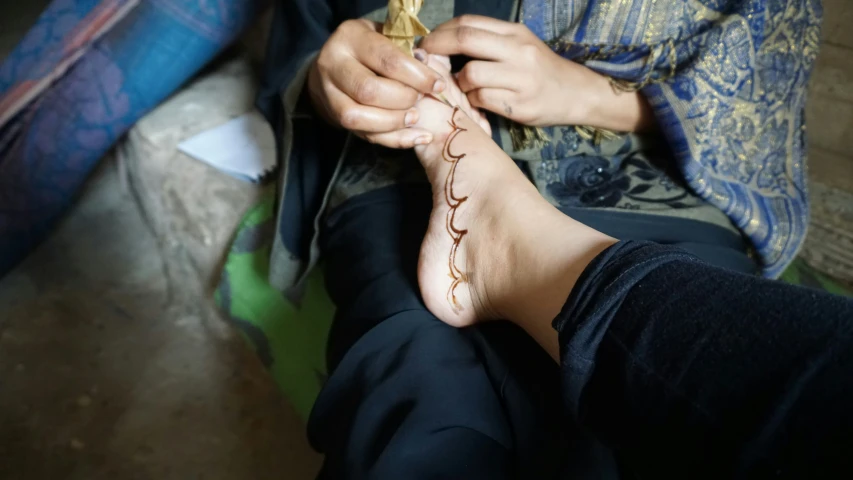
<point x="687" y="368"/>
<point x="409" y="396"/>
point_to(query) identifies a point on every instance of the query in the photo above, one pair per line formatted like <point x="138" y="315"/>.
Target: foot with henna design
<point x="494" y="248"/>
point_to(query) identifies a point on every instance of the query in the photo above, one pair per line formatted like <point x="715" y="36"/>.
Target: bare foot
<point x="494" y="247"/>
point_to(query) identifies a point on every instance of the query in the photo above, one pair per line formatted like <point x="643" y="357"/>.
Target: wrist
<point x="585" y="104"/>
<point x="602" y="106"/>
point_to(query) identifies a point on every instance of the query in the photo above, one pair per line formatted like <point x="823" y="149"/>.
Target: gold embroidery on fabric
<point x="738" y="103"/>
<point x="595" y="135"/>
<point x="525" y="137"/>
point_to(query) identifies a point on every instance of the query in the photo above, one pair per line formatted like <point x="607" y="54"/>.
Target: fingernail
<point x="423" y="140"/>
<point x="439" y="86"/>
<point x="420" y="97"/>
<point x="411" y="118"/>
<point x="420" y="55"/>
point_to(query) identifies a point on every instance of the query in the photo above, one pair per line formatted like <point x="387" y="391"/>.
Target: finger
<point x="405" y="138"/>
<point x="363" y="118"/>
<point x="495" y="100"/>
<point x="441" y="65"/>
<point x="486" y="126"/>
<point x="474" y="42"/>
<point x="479" y="74"/>
<point x="375" y="26"/>
<point x="366" y="88"/>
<point x="483" y="121"/>
<point x="461" y="100"/>
<point x="500" y="27"/>
<point x="443" y="60"/>
<point x="421" y="55"/>
<point x="463" y="103"/>
<point x="383" y="57"/>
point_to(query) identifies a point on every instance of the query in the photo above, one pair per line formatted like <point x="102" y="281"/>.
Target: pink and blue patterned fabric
<point x="83" y="75"/>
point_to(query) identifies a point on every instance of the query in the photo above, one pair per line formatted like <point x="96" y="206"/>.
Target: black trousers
<point x="669" y="366"/>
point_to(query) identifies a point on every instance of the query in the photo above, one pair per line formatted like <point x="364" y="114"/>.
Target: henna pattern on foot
<point x="453" y="202"/>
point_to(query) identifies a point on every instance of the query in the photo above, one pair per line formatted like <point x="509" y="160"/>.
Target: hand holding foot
<point x="494" y="248"/>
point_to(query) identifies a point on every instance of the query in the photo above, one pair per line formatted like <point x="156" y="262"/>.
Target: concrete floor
<point x="112" y="365"/>
<point x="141" y="386"/>
<point x="107" y="373"/>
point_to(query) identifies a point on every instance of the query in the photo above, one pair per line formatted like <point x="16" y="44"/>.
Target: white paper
<point x="243" y="147"/>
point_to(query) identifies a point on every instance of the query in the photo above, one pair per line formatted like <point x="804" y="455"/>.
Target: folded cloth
<point x="77" y="81"/>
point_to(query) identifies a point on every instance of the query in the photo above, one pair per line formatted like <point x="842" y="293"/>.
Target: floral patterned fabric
<point x="727" y="80"/>
<point x="627" y="172"/>
<point x="593" y="182"/>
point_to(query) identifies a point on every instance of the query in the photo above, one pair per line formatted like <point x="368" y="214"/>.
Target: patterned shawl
<point x="727" y="80"/>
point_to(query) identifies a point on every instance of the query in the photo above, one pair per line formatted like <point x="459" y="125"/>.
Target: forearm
<point x="605" y="107"/>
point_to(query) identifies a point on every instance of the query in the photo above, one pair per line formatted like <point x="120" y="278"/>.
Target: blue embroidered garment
<point x="727" y="80"/>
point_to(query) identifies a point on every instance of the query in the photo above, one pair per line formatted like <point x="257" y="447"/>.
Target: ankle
<point x="543" y="265"/>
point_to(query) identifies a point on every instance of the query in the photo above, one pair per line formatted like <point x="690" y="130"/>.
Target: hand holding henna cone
<point x="402" y="24"/>
<point x="402" y="27"/>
